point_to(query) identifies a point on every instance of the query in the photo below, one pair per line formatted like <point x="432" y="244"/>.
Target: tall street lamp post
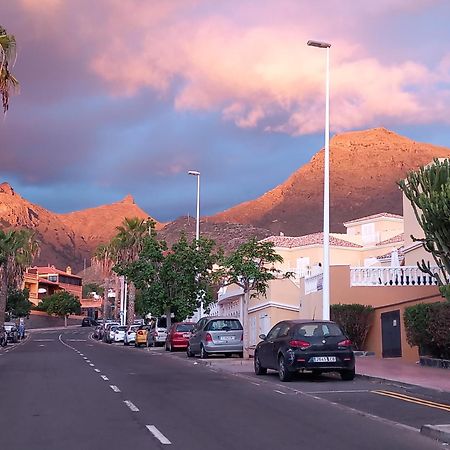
<point x="197" y="227"/>
<point x="326" y="189"/>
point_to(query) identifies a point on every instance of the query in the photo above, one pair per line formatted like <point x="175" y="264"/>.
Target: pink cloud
<point x="251" y="62"/>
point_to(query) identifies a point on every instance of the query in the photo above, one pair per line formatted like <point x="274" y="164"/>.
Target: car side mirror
<point x="262" y="336"/>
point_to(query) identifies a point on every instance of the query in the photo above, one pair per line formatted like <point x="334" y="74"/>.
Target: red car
<point x="178" y="336"/>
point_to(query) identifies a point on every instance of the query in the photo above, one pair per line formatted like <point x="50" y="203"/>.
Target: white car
<point x="130" y="335"/>
<point x="118" y="333"/>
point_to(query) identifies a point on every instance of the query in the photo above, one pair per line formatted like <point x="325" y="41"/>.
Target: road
<point x="62" y="390"/>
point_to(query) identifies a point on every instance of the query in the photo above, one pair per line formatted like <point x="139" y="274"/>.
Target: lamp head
<point x="194" y="172"/>
<point x="319" y="44"/>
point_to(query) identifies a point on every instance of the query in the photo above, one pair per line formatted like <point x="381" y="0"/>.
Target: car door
<point x="194" y="340"/>
<point x="280" y="342"/>
<point x="265" y="350"/>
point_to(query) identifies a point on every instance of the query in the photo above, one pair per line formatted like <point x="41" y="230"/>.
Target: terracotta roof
<point x="47" y="269"/>
<point x="374" y="216"/>
<point x="398" y="238"/>
<point x="309" y="239"/>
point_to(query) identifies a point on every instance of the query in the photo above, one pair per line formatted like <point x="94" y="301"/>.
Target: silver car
<point x="216" y="335"/>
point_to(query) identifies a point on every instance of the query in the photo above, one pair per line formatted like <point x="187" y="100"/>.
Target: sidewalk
<point x="394" y="369"/>
<point x="387" y="369"/>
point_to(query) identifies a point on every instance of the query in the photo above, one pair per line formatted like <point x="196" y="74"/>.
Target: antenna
<point x="314" y="313"/>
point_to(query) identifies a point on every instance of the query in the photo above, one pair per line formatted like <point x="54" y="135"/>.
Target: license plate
<point x="324" y="359"/>
<point x="227" y="338"/>
<point x="186" y="335"/>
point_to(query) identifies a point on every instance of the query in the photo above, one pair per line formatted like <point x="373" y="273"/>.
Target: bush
<point x="355" y="321"/>
<point x="428" y="327"/>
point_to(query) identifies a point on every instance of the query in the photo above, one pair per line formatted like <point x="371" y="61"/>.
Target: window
<point x="317" y="330"/>
<point x="273" y="333"/>
<point x="224" y="325"/>
<point x="184" y="327"/>
<point x="284" y="330"/>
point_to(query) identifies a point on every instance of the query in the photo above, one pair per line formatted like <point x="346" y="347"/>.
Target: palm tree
<point x="7" y="59"/>
<point x="129" y="243"/>
<point x="104" y="257"/>
<point x="17" y="250"/>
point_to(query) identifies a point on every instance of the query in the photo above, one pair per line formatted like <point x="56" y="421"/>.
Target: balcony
<point x="391" y="276"/>
<point x="313" y="283"/>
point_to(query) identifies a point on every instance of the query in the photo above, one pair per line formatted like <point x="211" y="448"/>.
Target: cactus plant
<point x="428" y="190"/>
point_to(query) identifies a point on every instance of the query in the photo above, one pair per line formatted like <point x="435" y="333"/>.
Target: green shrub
<point x="428" y="327"/>
<point x="439" y="329"/>
<point x="355" y="321"/>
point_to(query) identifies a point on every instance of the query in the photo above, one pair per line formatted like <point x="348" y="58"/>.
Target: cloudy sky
<point x="126" y="96"/>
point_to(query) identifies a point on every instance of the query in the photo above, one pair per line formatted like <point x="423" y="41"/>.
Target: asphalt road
<point x="61" y="390"/>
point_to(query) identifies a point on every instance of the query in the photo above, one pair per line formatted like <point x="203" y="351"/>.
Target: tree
<point x="17" y="250"/>
<point x="61" y="304"/>
<point x="7" y="59"/>
<point x="251" y="267"/>
<point x="92" y="287"/>
<point x="128" y="244"/>
<point x="104" y="257"/>
<point x="428" y="190"/>
<point x="172" y="281"/>
<point x="18" y="304"/>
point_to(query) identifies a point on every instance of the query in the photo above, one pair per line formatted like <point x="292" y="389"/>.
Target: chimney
<point x="69" y="270"/>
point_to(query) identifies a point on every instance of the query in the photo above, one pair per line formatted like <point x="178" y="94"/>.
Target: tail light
<point x="155" y="334"/>
<point x="297" y="343"/>
<point x="346" y="343"/>
<point x="140" y="333"/>
<point x="208" y="337"/>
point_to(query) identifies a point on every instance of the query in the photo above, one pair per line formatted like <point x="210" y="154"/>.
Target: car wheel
<point x="203" y="353"/>
<point x="189" y="353"/>
<point x="283" y="372"/>
<point x="316" y="373"/>
<point x="171" y="349"/>
<point x="259" y="370"/>
<point x="228" y="355"/>
<point x="241" y="354"/>
<point x="126" y="343"/>
<point x="348" y="375"/>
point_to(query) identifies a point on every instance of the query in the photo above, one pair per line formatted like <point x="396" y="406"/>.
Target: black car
<point x="88" y="322"/>
<point x="299" y="345"/>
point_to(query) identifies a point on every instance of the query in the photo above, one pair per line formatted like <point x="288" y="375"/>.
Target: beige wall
<point x="384" y="228"/>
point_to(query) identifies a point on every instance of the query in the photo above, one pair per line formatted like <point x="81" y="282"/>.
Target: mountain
<point x="65" y="239"/>
<point x="364" y="169"/>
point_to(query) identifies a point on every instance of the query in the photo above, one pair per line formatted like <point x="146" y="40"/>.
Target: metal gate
<point x="391" y="334"/>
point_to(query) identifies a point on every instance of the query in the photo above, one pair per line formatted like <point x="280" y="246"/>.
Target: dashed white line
<point x="81" y="354"/>
<point x="92" y="365"/>
<point x="105" y="377"/>
<point x="84" y="357"/>
<point x="88" y="361"/>
<point x="158" y="435"/>
<point x="97" y="370"/>
<point x="279" y="392"/>
<point x="131" y="405"/>
<point x="256" y="384"/>
<point x="114" y="388"/>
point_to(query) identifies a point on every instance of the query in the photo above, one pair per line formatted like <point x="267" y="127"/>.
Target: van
<point x="158" y="331"/>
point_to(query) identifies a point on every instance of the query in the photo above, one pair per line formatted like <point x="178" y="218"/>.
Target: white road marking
<point x="256" y="384"/>
<point x="42" y="345"/>
<point x="81" y="354"/>
<point x="114" y="388"/>
<point x="158" y="435"/>
<point x="88" y="361"/>
<point x="279" y="392"/>
<point x="132" y="406"/>
<point x="43" y="340"/>
<point x="105" y="377"/>
<point x="84" y="357"/>
<point x="92" y="365"/>
<point x="338" y="392"/>
<point x="76" y="340"/>
<point x="97" y="370"/>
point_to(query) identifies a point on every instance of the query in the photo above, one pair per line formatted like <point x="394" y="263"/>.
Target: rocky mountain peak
<point x="6" y="188"/>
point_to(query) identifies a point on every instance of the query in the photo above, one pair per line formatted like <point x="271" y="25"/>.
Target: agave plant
<point x="8" y="82"/>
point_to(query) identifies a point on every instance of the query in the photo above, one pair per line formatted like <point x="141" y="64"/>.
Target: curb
<point x="438" y="432"/>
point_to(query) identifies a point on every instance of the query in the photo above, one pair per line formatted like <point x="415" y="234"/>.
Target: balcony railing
<point x="391" y="276"/>
<point x="314" y="283"/>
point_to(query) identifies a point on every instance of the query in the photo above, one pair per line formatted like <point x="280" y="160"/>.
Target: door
<point x="194" y="340"/>
<point x="391" y="335"/>
<point x="265" y="350"/>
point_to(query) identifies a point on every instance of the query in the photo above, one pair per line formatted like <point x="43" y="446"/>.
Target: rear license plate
<point x="324" y="359"/>
<point x="227" y="338"/>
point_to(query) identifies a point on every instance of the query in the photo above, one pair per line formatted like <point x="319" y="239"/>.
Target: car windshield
<point x="224" y="325"/>
<point x="317" y="330"/>
<point x="184" y="327"/>
<point x="122" y="328"/>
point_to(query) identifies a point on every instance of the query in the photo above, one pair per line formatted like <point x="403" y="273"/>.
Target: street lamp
<point x="197" y="227"/>
<point x="326" y="189"/>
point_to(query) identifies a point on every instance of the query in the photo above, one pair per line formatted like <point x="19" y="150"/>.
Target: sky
<point x="125" y="97"/>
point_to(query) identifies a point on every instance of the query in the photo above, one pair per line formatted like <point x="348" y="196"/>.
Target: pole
<point x="197" y="229"/>
<point x="125" y="302"/>
<point x="122" y="298"/>
<point x="326" y="199"/>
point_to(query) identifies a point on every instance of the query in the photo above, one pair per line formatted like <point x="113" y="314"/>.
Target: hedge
<point x="428" y="327"/>
<point x="355" y="321"/>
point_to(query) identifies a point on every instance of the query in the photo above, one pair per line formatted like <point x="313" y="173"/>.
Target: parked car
<point x="158" y="332"/>
<point x="142" y="334"/>
<point x="130" y="335"/>
<point x="12" y="333"/>
<point x="178" y="336"/>
<point x="107" y="336"/>
<point x="299" y="345"/>
<point x="118" y="333"/>
<point x="98" y="332"/>
<point x="88" y="322"/>
<point x="3" y="337"/>
<point x="216" y="335"/>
